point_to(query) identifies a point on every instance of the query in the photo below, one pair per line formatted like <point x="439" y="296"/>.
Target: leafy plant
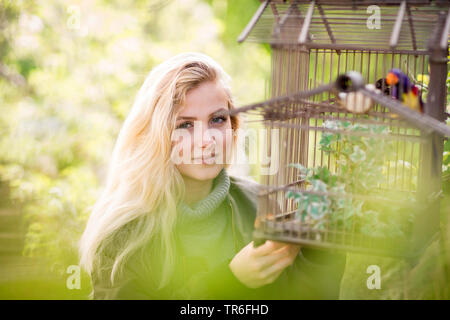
<point x="350" y="200"/>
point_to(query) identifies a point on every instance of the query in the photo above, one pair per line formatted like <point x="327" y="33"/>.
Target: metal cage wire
<point x="313" y="42"/>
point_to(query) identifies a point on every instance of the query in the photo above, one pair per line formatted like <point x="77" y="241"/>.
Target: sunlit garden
<point x="69" y="73"/>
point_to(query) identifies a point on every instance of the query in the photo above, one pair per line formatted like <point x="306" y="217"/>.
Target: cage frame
<point x="433" y="131"/>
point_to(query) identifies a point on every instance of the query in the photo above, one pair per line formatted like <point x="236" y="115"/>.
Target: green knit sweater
<point x="204" y="234"/>
<point x="205" y="246"/>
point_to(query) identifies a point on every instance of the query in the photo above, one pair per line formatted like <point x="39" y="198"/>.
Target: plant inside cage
<point x="348" y="198"/>
<point x="372" y="172"/>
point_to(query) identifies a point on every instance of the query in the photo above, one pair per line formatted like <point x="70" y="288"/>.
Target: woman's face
<point x="202" y="139"/>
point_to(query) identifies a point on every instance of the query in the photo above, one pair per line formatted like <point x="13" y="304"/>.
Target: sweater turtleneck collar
<point x="206" y="206"/>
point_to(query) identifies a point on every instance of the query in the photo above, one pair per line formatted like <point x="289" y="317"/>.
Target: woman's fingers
<point x="290" y="251"/>
<point x="276" y="262"/>
<point x="270" y="259"/>
<point x="258" y="266"/>
<point x="273" y="277"/>
<point x="294" y="249"/>
<point x="268" y="247"/>
<point x="275" y="270"/>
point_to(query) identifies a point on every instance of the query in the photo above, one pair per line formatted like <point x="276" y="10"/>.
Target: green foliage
<point x="333" y="200"/>
<point x="85" y="62"/>
<point x="56" y="139"/>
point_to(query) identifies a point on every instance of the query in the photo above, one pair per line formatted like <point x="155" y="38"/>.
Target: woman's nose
<point x="208" y="139"/>
<point x="205" y="138"/>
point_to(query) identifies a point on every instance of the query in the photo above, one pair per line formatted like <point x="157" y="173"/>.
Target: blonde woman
<point x="171" y="222"/>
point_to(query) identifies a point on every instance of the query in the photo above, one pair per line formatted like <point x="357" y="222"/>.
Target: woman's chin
<point x="202" y="171"/>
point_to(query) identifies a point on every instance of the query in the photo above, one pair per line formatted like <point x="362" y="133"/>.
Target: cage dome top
<point x="349" y="24"/>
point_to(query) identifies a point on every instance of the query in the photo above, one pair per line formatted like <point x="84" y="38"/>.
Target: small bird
<point x="398" y="85"/>
<point x="355" y="101"/>
<point x="383" y="86"/>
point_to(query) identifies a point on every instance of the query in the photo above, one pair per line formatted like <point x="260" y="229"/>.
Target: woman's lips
<point x="210" y="159"/>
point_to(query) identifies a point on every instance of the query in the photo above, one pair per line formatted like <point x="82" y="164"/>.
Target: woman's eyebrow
<point x="186" y="117"/>
<point x="215" y="113"/>
<point x="221" y="111"/>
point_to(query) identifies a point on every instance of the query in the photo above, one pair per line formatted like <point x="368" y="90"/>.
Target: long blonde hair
<point x="143" y="186"/>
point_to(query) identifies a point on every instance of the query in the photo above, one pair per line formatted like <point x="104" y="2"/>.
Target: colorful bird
<point x="401" y="88"/>
<point x="383" y="86"/>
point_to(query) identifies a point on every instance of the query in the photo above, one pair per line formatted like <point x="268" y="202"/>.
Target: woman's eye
<point x="184" y="125"/>
<point x="219" y="120"/>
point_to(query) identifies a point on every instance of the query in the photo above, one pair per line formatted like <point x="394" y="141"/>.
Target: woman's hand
<point x="259" y="266"/>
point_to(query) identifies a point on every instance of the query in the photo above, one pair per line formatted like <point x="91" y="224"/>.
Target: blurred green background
<point x="69" y="72"/>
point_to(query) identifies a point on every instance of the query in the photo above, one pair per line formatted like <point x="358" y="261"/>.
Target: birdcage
<point x="357" y="168"/>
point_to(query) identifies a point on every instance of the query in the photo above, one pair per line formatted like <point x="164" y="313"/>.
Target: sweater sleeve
<point x="121" y="289"/>
<point x="132" y="285"/>
<point x="315" y="274"/>
<point x="134" y="282"/>
<point x="223" y="284"/>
